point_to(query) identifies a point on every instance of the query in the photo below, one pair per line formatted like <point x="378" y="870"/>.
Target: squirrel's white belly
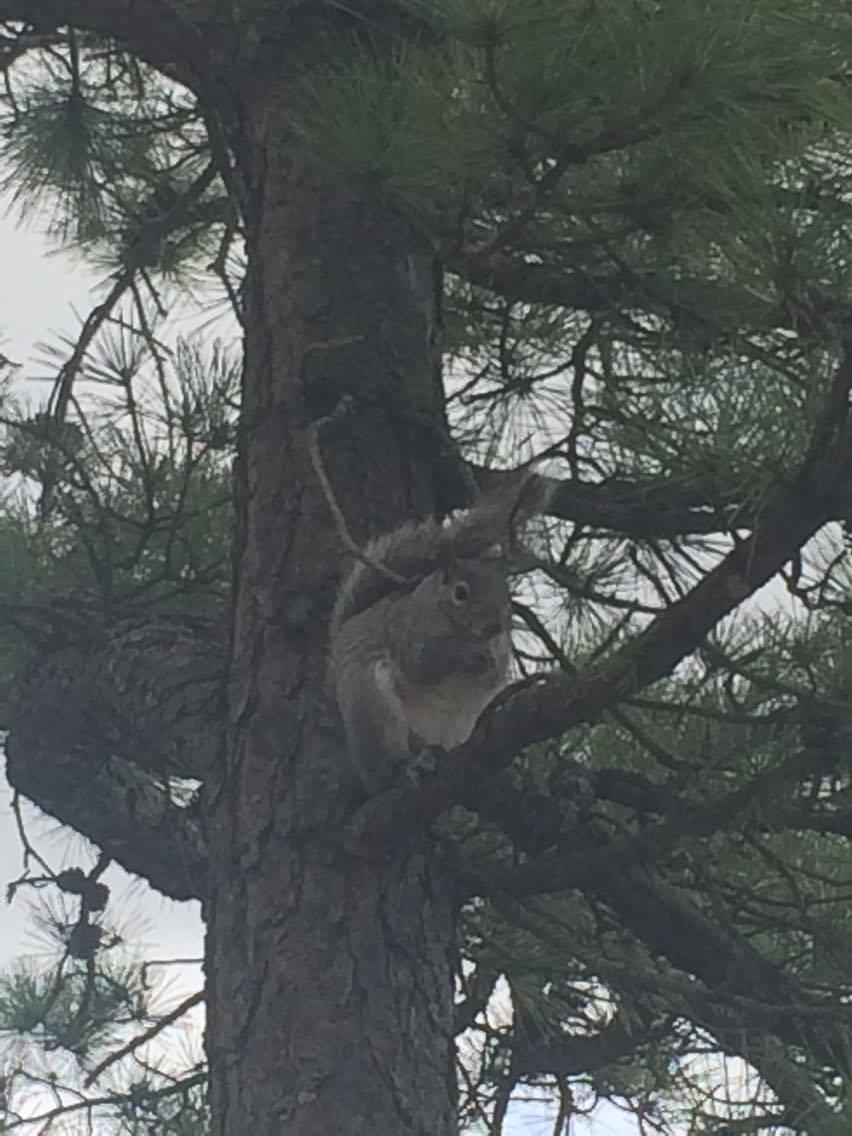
<point x="444" y="715"/>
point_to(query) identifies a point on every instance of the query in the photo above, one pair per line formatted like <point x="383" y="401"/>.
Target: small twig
<point x="89" y="1104"/>
<point x="348" y="542"/>
<point x="145" y="1036"/>
<point x="340" y="411"/>
<point x="219" y="266"/>
<point x="149" y="964"/>
<point x="29" y="850"/>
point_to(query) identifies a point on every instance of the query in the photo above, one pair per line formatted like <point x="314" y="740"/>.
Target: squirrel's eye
<point x="461" y="593"/>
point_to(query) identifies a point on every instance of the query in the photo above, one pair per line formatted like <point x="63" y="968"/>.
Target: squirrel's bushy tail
<point x="402" y="558"/>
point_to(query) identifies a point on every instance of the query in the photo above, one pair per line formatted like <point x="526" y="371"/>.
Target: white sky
<point x="39" y="291"/>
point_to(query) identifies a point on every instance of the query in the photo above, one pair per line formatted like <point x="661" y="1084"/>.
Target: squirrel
<point x="420" y="633"/>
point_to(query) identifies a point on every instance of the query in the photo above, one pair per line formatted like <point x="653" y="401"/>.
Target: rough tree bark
<point x="330" y="977"/>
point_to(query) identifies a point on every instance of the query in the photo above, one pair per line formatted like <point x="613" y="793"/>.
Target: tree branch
<point x="166" y="34"/>
<point x="713" y="976"/>
<point x="93" y="724"/>
<point x="528" y="282"/>
<point x="121" y="809"/>
<point x="645" y="513"/>
<point x="671" y="924"/>
<point x="555" y="285"/>
<point x="147" y="691"/>
<point x="573" y="1055"/>
<point x="570" y="863"/>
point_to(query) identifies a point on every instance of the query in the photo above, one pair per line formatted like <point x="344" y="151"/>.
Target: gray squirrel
<point x="420" y="634"/>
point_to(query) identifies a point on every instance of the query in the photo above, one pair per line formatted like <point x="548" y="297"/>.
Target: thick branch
<point x="737" y="988"/>
<point x="147" y="691"/>
<point x="805" y="1109"/>
<point x="166" y="34"/>
<point x="121" y="809"/>
<point x="686" y="300"/>
<point x="680" y="819"/>
<point x="192" y="40"/>
<point x="620" y="873"/>
<point x="657" y="513"/>
<point x="667" y="921"/>
<point x="739" y="997"/>
<point x="670" y="924"/>
<point x="531" y="283"/>
<point x="572" y="1055"/>
<point x="633" y="510"/>
<point x="92" y="722"/>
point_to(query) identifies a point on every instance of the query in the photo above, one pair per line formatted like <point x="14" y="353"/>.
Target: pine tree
<point x="457" y="235"/>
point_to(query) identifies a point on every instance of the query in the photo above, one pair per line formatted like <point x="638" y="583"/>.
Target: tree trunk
<point x="330" y="977"/>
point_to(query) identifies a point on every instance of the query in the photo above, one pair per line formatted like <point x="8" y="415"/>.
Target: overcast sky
<point x="39" y="292"/>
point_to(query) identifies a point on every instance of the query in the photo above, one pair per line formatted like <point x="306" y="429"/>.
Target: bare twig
<point x="147" y="1035"/>
<point x="346" y="538"/>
